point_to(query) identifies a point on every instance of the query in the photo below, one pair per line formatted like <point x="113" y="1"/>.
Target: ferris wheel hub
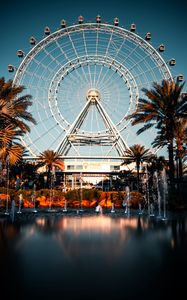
<point x="93" y="95"/>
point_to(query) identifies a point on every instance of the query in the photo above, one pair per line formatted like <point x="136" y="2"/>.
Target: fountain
<point x="65" y="206"/>
<point x="127" y="209"/>
<point x="162" y="189"/>
<point x="51" y="197"/>
<point x="20" y="202"/>
<point x="147" y="191"/>
<point x="81" y="209"/>
<point x="6" y="211"/>
<point x="140" y="209"/>
<point x="12" y="211"/>
<point x="99" y="209"/>
<point x="151" y="210"/>
<point x="113" y="208"/>
<point x="158" y="193"/>
<point x="145" y="188"/>
<point x="164" y="192"/>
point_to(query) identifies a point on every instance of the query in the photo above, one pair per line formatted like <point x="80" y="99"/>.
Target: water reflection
<point x="86" y="255"/>
<point x="179" y="233"/>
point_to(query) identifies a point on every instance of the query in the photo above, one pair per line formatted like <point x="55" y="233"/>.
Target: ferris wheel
<point x="84" y="80"/>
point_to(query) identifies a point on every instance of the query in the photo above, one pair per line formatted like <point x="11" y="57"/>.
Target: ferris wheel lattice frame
<point x="85" y="79"/>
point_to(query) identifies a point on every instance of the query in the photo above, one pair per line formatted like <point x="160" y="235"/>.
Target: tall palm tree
<point x="50" y="158"/>
<point x="181" y="141"/>
<point x="161" y="109"/>
<point x="157" y="164"/>
<point x="11" y="150"/>
<point x="13" y="108"/>
<point x="137" y="154"/>
<point x="10" y="146"/>
<point x="13" y="118"/>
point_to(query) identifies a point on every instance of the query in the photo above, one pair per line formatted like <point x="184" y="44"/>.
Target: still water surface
<point x="89" y="257"/>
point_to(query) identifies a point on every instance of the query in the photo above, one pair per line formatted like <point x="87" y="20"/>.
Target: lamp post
<point x="147" y="189"/>
<point x="34" y="198"/>
<point x="81" y="209"/>
<point x="51" y="194"/>
<point x="165" y="191"/>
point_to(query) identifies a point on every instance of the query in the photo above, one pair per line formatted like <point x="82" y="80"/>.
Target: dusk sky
<point x="166" y="20"/>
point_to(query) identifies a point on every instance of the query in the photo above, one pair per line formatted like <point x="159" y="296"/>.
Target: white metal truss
<point x="74" y="136"/>
<point x="112" y="64"/>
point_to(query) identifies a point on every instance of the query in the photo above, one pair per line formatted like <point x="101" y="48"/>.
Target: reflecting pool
<point x="89" y="257"/>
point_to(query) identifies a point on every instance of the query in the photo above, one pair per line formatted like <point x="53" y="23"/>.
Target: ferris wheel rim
<point x="136" y="39"/>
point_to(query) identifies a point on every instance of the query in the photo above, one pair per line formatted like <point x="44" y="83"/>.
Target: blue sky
<point x="164" y="19"/>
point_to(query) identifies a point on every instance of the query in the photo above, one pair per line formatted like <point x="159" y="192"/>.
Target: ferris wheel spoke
<point x="109" y="43"/>
<point x="64" y="54"/>
<point x="41" y="64"/>
<point x="95" y="75"/>
<point x="99" y="76"/>
<point x="150" y="79"/>
<point x="72" y="43"/>
<point x="150" y="75"/>
<point x="85" y="76"/>
<point x="80" y="76"/>
<point x="104" y="76"/>
<point x="107" y="82"/>
<point x="130" y="54"/>
<point x="85" y="49"/>
<point x="96" y="42"/>
<point x="107" y="49"/>
<point x="52" y="58"/>
<point x="139" y="62"/>
<point x="118" y="49"/>
<point x="49" y="131"/>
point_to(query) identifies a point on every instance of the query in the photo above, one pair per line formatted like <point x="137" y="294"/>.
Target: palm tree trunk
<point x="49" y="177"/>
<point x="138" y="175"/>
<point x="180" y="169"/>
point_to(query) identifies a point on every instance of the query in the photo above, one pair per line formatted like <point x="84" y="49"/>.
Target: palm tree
<point x="157" y="164"/>
<point x="13" y="114"/>
<point x="13" y="109"/>
<point x="161" y="109"/>
<point x="181" y="140"/>
<point x="9" y="145"/>
<point x="50" y="158"/>
<point x="137" y="154"/>
<point x="11" y="151"/>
